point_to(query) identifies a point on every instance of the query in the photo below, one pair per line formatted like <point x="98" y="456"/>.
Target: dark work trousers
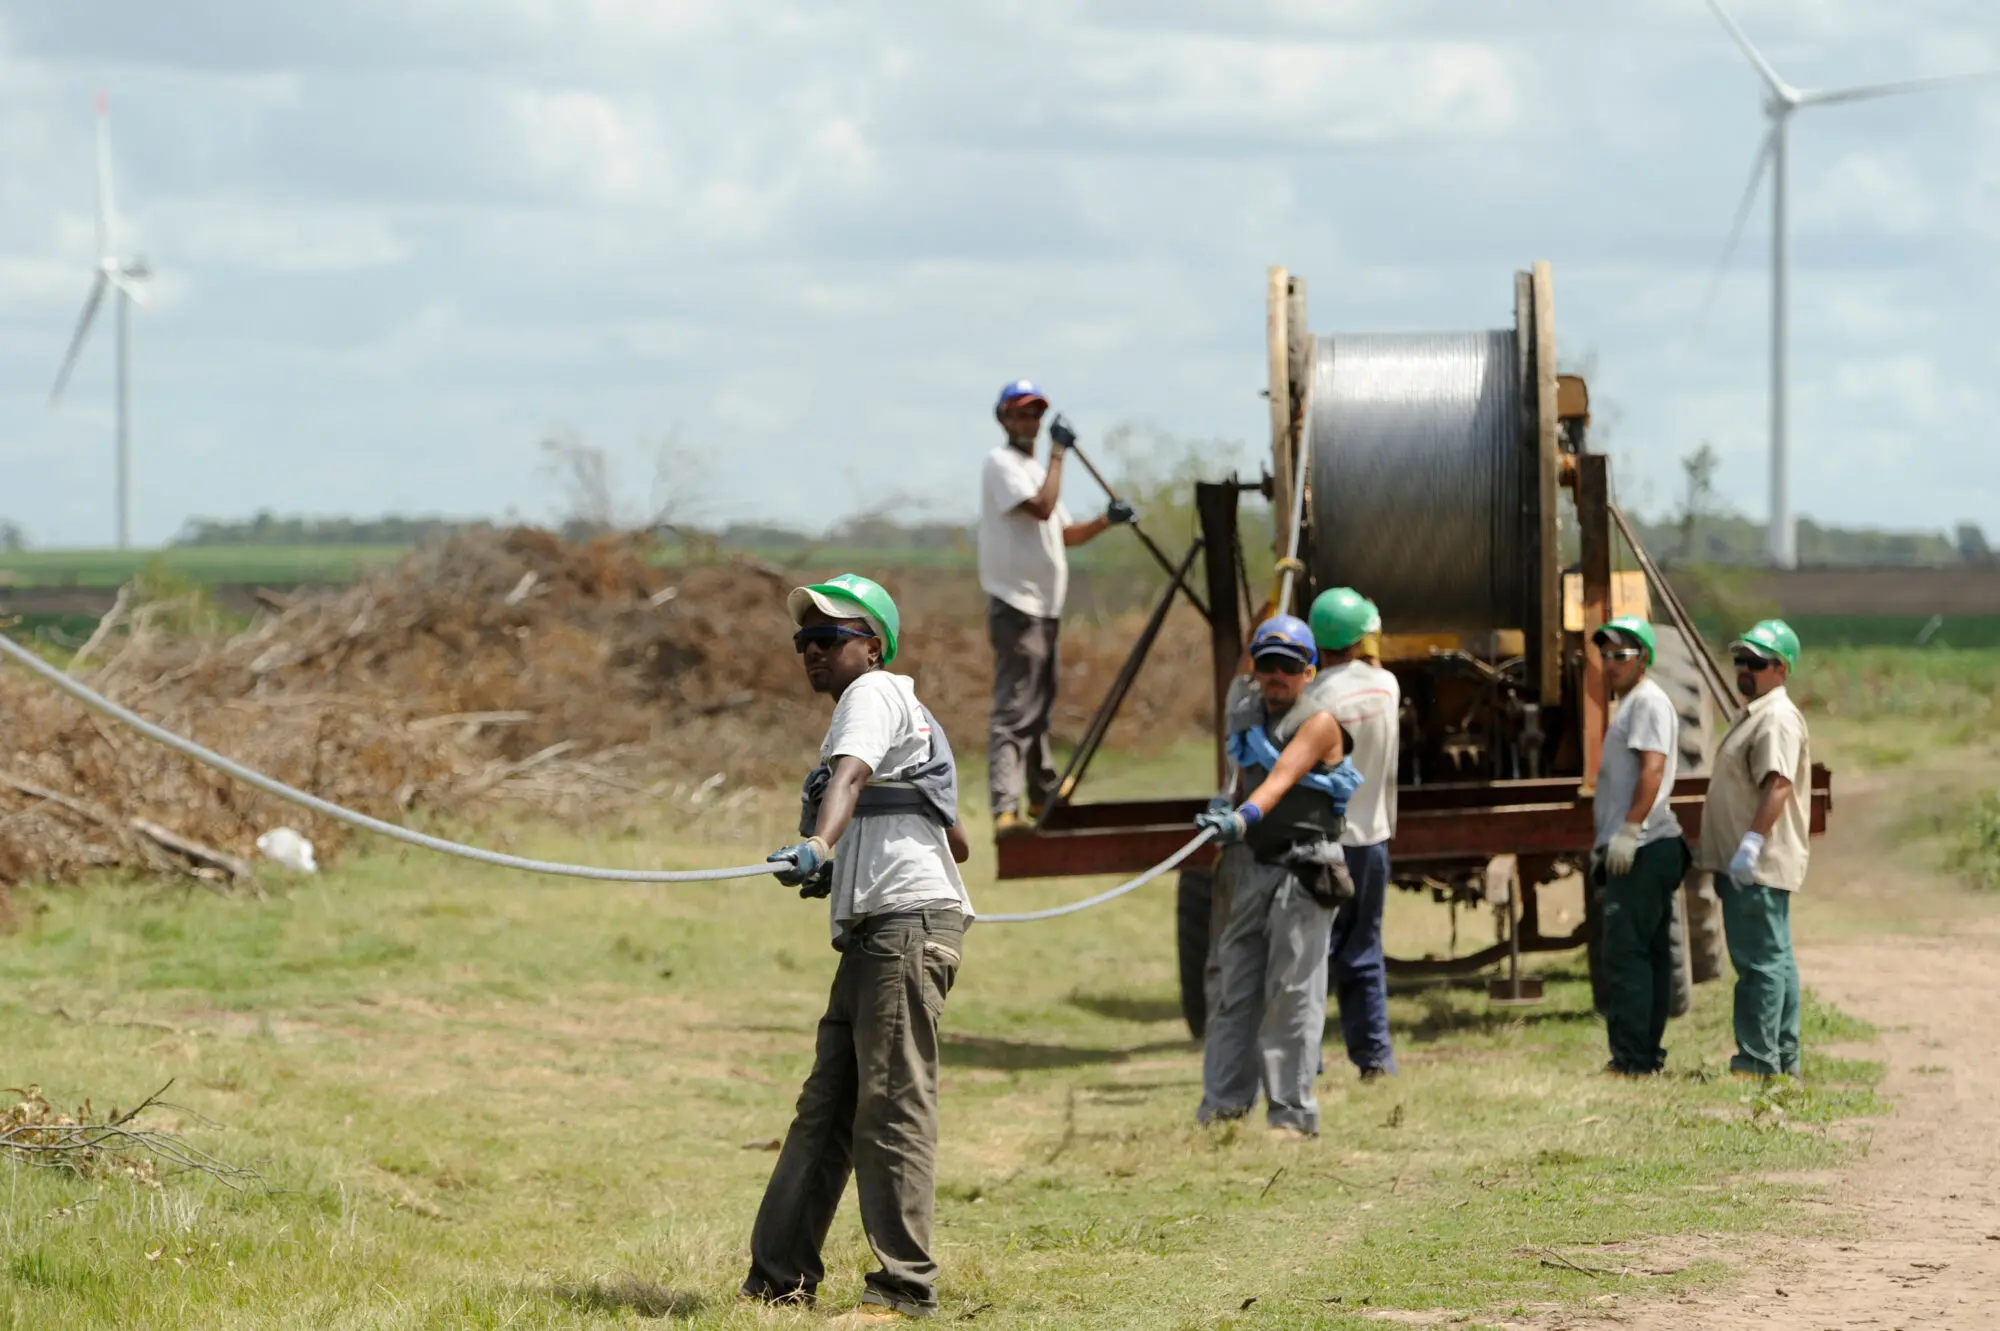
<point x="1638" y="954"/>
<point x="1359" y="973"/>
<point x="869" y="1108"/>
<point x="1024" y="697"/>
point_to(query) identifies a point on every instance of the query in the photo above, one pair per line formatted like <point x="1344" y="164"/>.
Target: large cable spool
<point x="1419" y="480"/>
<point x="1432" y="462"/>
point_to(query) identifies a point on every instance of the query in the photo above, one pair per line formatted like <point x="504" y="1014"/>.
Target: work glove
<point x="1229" y="825"/>
<point x="1120" y="512"/>
<point x="1743" y="865"/>
<point x="1061" y="432"/>
<point x="800" y="862"/>
<point x="819" y="883"/>
<point x="1621" y="850"/>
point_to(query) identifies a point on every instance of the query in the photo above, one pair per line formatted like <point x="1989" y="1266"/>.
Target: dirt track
<point x="1930" y="1252"/>
<point x="1926" y="1192"/>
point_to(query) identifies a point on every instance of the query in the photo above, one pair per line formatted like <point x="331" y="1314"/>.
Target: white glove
<point x="1743" y="865"/>
<point x="1621" y="850"/>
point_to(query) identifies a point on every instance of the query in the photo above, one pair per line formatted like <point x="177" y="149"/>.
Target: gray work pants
<point x="1024" y="697"/>
<point x="869" y="1108"/>
<point x="1267" y="1014"/>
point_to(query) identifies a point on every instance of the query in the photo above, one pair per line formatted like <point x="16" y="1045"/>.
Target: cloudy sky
<point x="398" y="241"/>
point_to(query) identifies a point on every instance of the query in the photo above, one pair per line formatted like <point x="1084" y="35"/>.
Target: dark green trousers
<point x="1638" y="955"/>
<point x="1758" y="923"/>
<point x="869" y="1109"/>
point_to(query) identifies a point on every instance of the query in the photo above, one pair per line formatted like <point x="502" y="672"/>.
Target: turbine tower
<point x="1781" y="100"/>
<point x="124" y="275"/>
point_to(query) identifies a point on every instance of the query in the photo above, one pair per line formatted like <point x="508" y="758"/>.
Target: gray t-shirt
<point x="1644" y="723"/>
<point x="896" y="861"/>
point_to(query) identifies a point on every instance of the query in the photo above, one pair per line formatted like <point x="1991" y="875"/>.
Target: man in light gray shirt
<point x="1638" y="847"/>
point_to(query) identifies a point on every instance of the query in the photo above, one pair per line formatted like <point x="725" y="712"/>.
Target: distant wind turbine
<point x="124" y="275"/>
<point x="1780" y="101"/>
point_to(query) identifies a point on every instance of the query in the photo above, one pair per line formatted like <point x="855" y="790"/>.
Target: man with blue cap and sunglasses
<point x="1285" y="874"/>
<point x="1024" y="532"/>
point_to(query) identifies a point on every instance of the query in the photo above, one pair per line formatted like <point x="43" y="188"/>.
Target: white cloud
<point x="275" y="237"/>
<point x="1874" y="190"/>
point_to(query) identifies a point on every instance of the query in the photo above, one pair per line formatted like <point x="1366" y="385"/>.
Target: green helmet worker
<point x="1753" y="837"/>
<point x="1024" y="537"/>
<point x="1367" y="701"/>
<point x="1638" y="847"/>
<point x="885" y="797"/>
<point x="1340" y="618"/>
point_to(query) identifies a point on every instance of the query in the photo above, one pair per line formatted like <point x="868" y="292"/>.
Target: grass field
<point x="486" y="1101"/>
<point x="200" y="563"/>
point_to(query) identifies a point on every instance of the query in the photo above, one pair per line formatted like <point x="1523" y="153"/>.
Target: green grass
<point x="482" y="1100"/>
<point x="1971" y="632"/>
<point x="1897" y="686"/>
<point x="206" y="563"/>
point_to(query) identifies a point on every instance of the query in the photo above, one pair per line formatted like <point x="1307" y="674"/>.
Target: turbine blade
<point x="105" y="204"/>
<point x="1763" y="66"/>
<point x="126" y="281"/>
<point x="90" y="304"/>
<point x="1757" y="167"/>
<point x="1869" y="91"/>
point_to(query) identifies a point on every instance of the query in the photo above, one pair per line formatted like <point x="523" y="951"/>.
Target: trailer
<point x="1449" y="477"/>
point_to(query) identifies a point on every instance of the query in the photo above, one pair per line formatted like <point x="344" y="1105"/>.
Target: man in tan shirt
<point x="1753" y="838"/>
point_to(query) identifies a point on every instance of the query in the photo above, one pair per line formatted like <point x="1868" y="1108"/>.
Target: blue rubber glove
<point x="799" y="862"/>
<point x="1743" y="865"/>
<point x="1229" y="825"/>
<point x="1120" y="512"/>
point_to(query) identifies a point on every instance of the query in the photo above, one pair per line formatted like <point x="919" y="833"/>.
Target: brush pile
<point x="501" y="668"/>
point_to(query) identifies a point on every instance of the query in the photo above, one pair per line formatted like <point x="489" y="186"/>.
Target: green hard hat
<point x="1772" y="637"/>
<point x="1632" y="626"/>
<point x="1340" y="616"/>
<point x="851" y="596"/>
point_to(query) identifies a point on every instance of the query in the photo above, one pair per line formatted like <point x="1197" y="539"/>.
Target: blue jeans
<point x="1359" y="973"/>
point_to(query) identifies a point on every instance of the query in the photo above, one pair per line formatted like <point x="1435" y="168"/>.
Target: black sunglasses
<point x="1754" y="664"/>
<point x="827" y="635"/>
<point x="1276" y="664"/>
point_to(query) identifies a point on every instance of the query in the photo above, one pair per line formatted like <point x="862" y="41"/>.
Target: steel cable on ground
<point x="91" y="698"/>
<point x="1166" y="865"/>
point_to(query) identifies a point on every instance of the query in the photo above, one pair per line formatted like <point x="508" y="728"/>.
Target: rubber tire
<point x="1193" y="903"/>
<point x="1707" y="947"/>
<point x="1674" y="670"/>
<point x="1682" y="993"/>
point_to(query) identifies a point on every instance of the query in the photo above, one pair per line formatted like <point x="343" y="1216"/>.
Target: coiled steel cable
<point x="1422" y="494"/>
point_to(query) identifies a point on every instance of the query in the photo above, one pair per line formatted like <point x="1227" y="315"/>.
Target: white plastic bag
<point x="286" y="847"/>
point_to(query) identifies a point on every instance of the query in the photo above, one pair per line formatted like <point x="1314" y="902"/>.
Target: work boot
<point x="871" y="1314"/>
<point x="1009" y="823"/>
<point x="1374" y="1074"/>
<point x="1285" y="1132"/>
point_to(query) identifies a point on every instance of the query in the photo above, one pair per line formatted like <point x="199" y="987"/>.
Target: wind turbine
<point x="123" y="275"/>
<point x="1781" y="100"/>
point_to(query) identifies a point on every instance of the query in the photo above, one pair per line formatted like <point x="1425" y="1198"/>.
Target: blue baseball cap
<point x="1020" y="390"/>
<point x="1284" y="635"/>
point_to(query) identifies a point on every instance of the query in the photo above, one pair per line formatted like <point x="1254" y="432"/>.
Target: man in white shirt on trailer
<point x="1024" y="535"/>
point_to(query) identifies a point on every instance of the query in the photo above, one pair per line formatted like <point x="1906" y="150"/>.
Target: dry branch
<point x="35" y="1132"/>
